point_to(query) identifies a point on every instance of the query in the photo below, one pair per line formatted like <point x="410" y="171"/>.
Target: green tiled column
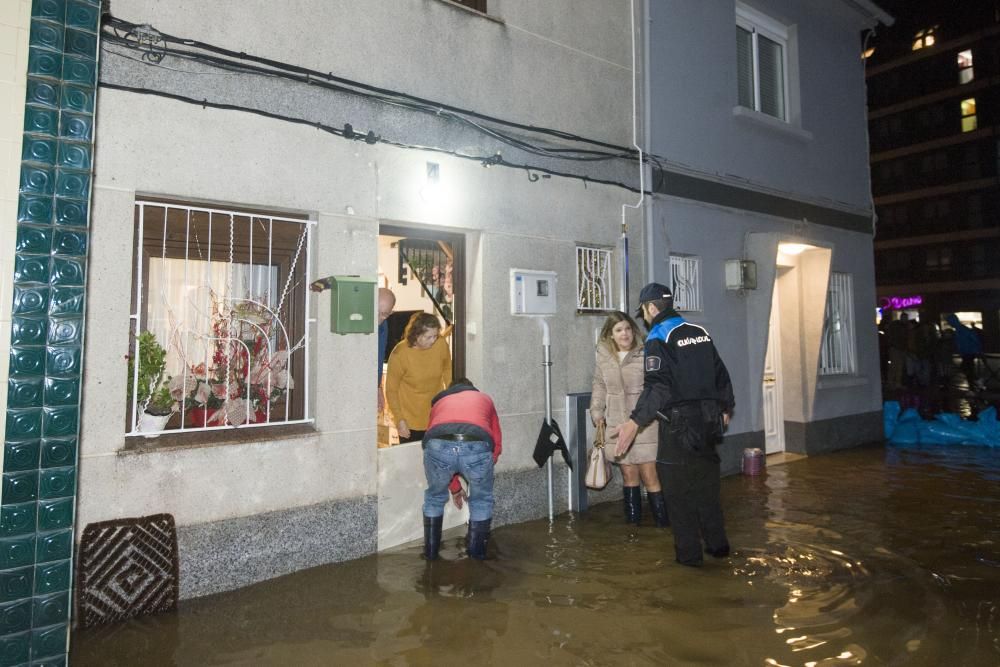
<point x="46" y="353"/>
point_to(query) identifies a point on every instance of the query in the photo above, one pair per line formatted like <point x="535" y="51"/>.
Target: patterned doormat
<point x="126" y="568"/>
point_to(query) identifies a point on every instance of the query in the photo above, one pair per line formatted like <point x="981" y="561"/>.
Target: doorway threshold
<point x="779" y="458"/>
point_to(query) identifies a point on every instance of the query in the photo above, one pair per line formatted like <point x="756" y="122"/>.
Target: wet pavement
<point x="875" y="556"/>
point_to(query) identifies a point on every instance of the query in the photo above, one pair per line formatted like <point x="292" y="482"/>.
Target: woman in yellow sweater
<point x="419" y="368"/>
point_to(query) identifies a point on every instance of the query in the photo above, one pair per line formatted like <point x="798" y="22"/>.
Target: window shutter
<point x="772" y="77"/>
<point x="744" y="66"/>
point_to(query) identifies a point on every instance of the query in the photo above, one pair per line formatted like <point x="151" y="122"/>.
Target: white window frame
<point x="966" y="66"/>
<point x="593" y="279"/>
<point x="192" y="252"/>
<point x="838" y="349"/>
<point x="756" y="24"/>
<point x="685" y="282"/>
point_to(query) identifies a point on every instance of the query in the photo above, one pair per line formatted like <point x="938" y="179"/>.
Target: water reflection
<point x="874" y="556"/>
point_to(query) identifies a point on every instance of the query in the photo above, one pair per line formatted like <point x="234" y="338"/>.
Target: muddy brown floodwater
<point x="875" y="556"/>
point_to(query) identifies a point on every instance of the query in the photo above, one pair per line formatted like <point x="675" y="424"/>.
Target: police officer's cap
<point x="653" y="292"/>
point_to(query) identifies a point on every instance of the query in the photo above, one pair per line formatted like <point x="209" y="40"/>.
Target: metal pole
<point x="547" y="366"/>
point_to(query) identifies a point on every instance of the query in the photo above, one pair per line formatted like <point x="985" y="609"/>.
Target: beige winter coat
<point x="615" y="391"/>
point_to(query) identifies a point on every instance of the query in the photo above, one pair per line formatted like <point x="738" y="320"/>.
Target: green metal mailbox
<point x="352" y="305"/>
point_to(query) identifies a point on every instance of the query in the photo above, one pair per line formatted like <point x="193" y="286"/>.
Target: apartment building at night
<point x="933" y="94"/>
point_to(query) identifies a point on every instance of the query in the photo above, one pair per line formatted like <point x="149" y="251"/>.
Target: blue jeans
<point x="471" y="459"/>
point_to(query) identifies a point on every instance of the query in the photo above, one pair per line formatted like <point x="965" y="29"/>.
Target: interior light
<point x="794" y="248"/>
<point x="431" y="191"/>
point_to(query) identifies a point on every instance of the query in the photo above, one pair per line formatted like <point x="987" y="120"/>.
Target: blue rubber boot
<point x="632" y="501"/>
<point x="432" y="536"/>
<point x="478" y="538"/>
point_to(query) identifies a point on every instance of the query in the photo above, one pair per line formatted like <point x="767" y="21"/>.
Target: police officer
<point x="687" y="387"/>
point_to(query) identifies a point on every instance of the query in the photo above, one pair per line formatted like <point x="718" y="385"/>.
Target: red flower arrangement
<point x="247" y="372"/>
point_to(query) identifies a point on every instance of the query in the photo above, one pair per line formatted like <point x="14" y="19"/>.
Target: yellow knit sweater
<point x="414" y="377"/>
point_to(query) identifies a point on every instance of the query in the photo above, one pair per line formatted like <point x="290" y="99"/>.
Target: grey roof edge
<point x="872" y="11"/>
<point x="686" y="186"/>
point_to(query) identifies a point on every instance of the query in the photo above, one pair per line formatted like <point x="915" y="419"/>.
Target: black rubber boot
<point x="658" y="507"/>
<point x="432" y="536"/>
<point x="633" y="504"/>
<point x="478" y="539"/>
<point x="721" y="552"/>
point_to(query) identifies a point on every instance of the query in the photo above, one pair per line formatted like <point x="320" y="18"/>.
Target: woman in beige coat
<point x="618" y="379"/>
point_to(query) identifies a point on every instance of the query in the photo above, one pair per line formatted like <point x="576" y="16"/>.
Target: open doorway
<point x="771" y="390"/>
<point x="425" y="269"/>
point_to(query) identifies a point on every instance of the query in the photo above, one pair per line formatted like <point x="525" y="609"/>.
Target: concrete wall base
<point x="829" y="435"/>
<point x="225" y="555"/>
<point x="229" y="554"/>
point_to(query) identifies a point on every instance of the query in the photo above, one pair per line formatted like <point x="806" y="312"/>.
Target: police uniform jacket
<point x="685" y="381"/>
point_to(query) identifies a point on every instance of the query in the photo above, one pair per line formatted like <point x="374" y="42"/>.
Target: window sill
<point x="171" y="442"/>
<point x="841" y="381"/>
<point x="495" y="19"/>
<point x="771" y="123"/>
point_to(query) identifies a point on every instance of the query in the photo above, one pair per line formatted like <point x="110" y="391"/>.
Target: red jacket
<point x="464" y="409"/>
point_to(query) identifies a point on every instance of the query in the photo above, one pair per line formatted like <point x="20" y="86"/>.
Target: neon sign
<point x="900" y="302"/>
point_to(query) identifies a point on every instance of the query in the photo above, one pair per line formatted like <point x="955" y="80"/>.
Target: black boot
<point x="633" y="504"/>
<point x="478" y="538"/>
<point x="432" y="536"/>
<point x="658" y="506"/>
<point x="720" y="552"/>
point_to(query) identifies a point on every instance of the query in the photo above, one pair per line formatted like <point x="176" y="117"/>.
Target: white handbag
<point x="598" y="466"/>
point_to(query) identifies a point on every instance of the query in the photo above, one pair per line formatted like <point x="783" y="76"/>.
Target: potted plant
<point x="153" y="400"/>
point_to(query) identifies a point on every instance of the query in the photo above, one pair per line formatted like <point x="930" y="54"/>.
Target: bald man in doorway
<point x="386" y="302"/>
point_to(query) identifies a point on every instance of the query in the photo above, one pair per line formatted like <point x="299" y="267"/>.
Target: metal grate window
<point x="219" y="319"/>
<point x="593" y="279"/>
<point x="837" y="354"/>
<point x="685" y="282"/>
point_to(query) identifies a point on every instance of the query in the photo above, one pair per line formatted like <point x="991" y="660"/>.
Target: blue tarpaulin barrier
<point x="907" y="427"/>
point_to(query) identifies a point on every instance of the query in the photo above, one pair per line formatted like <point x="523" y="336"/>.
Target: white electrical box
<point x="532" y="292"/>
<point x="741" y="274"/>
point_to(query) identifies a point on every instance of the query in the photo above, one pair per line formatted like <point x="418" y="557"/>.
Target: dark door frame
<point x="457" y="241"/>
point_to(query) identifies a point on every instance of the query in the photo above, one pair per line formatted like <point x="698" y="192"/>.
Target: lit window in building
<point x="968" y="318"/>
<point x="924" y="38"/>
<point x="965" y="71"/>
<point x="969" y="115"/>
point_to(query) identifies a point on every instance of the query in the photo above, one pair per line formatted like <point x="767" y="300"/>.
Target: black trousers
<point x="691" y="488"/>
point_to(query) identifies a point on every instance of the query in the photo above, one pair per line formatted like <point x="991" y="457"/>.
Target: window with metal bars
<point x="219" y="315"/>
<point x="761" y="62"/>
<point x="593" y="279"/>
<point x="837" y="352"/>
<point x="685" y="282"/>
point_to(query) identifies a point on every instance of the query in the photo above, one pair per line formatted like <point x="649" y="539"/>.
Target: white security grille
<point x="593" y="279"/>
<point x="837" y="354"/>
<point x="223" y="293"/>
<point x="685" y="279"/>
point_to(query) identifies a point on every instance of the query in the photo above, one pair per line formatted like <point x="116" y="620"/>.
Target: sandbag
<point x="947" y="428"/>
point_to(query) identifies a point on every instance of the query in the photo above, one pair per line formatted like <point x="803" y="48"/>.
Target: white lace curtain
<point x="179" y="302"/>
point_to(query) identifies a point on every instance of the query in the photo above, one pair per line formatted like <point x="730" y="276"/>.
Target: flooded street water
<point x="876" y="556"/>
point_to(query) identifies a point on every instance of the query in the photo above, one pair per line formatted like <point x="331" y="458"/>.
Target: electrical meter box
<point x="352" y="305"/>
<point x="532" y="292"/>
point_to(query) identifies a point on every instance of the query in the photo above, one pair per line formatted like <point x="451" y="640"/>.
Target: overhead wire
<point x="328" y="79"/>
<point x="368" y="138"/>
<point x="577" y="154"/>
